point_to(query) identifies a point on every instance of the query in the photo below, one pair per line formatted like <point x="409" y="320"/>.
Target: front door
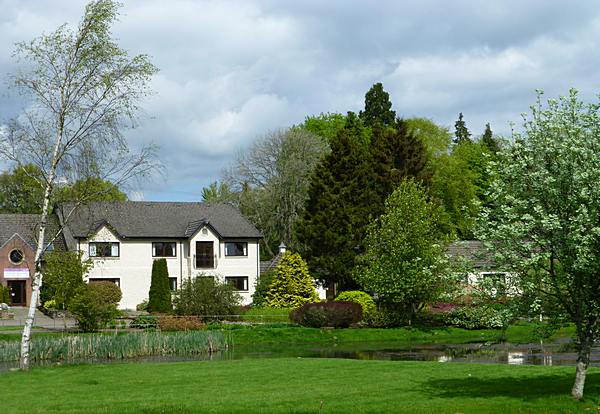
<point x="16" y="289"/>
<point x="205" y="258"/>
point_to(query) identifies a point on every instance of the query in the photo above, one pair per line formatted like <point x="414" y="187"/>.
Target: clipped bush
<point x="327" y="314"/>
<point x="180" y="323"/>
<point x="363" y="299"/>
<point x="95" y="305"/>
<point x="259" y="297"/>
<point x="160" y="292"/>
<point x="205" y="296"/>
<point x="292" y="286"/>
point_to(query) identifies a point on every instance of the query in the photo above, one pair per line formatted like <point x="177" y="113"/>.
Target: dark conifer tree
<point x="488" y="140"/>
<point x="397" y="155"/>
<point x="338" y="210"/>
<point x="378" y="107"/>
<point x="160" y="292"/>
<point x="461" y="132"/>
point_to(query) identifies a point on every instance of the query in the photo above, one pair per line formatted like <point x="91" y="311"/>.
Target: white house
<point x="197" y="239"/>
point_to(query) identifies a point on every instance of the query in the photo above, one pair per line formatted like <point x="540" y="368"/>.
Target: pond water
<point x="557" y="353"/>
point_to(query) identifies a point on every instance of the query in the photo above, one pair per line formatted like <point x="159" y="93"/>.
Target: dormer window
<point x="236" y="249"/>
<point x="104" y="249"/>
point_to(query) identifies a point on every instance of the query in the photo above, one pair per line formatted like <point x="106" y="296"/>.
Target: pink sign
<point x="16" y="273"/>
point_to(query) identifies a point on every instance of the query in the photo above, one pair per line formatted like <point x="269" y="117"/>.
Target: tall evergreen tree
<point x="338" y="210"/>
<point x="461" y="132"/>
<point x="397" y="155"/>
<point x="378" y="107"/>
<point x="160" y="291"/>
<point x="488" y="140"/>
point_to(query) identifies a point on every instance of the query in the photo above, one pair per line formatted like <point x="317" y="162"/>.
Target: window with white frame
<point x="164" y="249"/>
<point x="239" y="283"/>
<point x="104" y="249"/>
<point x="236" y="249"/>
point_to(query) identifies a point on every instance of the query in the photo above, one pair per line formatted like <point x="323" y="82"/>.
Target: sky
<point x="231" y="71"/>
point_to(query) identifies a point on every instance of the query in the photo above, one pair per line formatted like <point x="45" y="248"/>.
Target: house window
<point x="164" y="249"/>
<point x="173" y="283"/>
<point x="238" y="282"/>
<point x="104" y="249"/>
<point x="114" y="280"/>
<point x="16" y="256"/>
<point x="236" y="249"/>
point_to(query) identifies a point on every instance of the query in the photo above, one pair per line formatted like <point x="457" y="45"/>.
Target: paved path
<point x="41" y="320"/>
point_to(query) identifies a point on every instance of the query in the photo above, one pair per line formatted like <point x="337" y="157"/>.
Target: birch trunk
<point x="583" y="361"/>
<point x="37" y="279"/>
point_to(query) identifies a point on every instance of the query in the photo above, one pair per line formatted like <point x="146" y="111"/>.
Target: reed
<point x="130" y="345"/>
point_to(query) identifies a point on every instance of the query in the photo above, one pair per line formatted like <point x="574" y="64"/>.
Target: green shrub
<point x="180" y="323"/>
<point x="292" y="286"/>
<point x="331" y="314"/>
<point x="63" y="276"/>
<point x="142" y="307"/>
<point x="362" y="298"/>
<point x="4" y="294"/>
<point x="259" y="298"/>
<point x="144" y="322"/>
<point x="385" y="317"/>
<point x="482" y="316"/>
<point x="160" y="292"/>
<point x="205" y="296"/>
<point x="95" y="305"/>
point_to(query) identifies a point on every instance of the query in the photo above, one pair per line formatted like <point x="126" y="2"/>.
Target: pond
<point x="556" y="353"/>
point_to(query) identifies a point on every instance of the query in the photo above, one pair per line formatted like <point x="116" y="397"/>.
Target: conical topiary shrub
<point x="159" y="300"/>
<point x="291" y="286"/>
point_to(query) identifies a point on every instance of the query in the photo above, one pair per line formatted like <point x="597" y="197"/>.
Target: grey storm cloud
<point x="232" y="70"/>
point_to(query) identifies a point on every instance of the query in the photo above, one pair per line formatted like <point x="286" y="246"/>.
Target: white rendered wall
<point x="228" y="265"/>
<point x="133" y="267"/>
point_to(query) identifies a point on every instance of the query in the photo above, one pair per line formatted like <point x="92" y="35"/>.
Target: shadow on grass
<point x="531" y="387"/>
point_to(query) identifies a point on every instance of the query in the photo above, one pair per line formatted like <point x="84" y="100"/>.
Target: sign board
<point x="16" y="273"/>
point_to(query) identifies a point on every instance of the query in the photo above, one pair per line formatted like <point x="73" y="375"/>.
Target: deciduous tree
<point x="82" y="89"/>
<point x="543" y="221"/>
<point x="404" y="261"/>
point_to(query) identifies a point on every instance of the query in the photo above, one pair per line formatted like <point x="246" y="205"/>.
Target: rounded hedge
<point x="360" y="297"/>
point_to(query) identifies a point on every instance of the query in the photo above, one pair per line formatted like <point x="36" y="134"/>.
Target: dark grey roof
<point x="27" y="226"/>
<point x="268" y="265"/>
<point x="151" y="219"/>
<point x="474" y="251"/>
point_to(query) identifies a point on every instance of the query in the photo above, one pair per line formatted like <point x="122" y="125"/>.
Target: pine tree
<point x="461" y="132"/>
<point x="488" y="140"/>
<point x="397" y="155"/>
<point x="160" y="291"/>
<point x="339" y="207"/>
<point x="378" y="107"/>
<point x="291" y="286"/>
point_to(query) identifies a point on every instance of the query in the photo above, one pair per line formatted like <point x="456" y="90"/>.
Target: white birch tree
<point x="82" y="91"/>
<point x="544" y="219"/>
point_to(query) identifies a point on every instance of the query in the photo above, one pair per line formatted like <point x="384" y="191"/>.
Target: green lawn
<point x="296" y="386"/>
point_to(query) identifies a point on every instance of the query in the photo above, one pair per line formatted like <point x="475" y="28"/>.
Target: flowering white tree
<point x="544" y="222"/>
<point x="82" y="89"/>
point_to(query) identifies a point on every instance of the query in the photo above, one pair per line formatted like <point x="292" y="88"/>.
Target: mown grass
<point x="271" y="335"/>
<point x="77" y="347"/>
<point x="298" y="386"/>
<point x="266" y="315"/>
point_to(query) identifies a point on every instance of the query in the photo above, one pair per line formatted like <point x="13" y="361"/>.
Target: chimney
<point x="282" y="248"/>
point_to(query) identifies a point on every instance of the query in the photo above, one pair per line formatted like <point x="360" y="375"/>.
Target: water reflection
<point x="512" y="354"/>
